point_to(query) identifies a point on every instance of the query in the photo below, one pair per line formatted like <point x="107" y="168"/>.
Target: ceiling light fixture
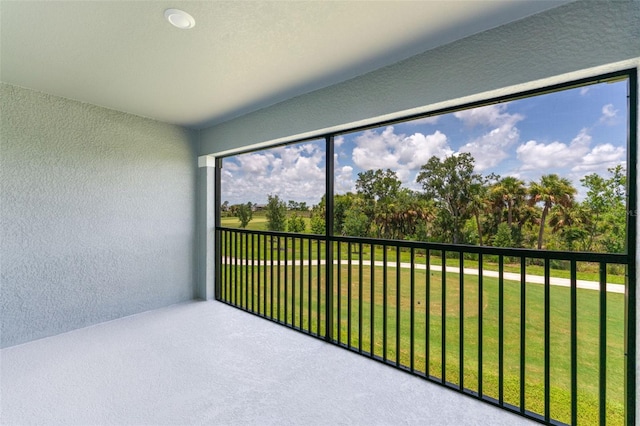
<point x="179" y="19"/>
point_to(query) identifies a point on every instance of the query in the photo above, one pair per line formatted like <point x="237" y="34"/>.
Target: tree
<point x="318" y="217"/>
<point x="550" y="191"/>
<point x="573" y="223"/>
<point x="317" y="223"/>
<point x="245" y="214"/>
<point x="450" y="184"/>
<point x="478" y="204"/>
<point x="378" y="189"/>
<point x="378" y="184"/>
<point x="296" y="223"/>
<point x="341" y="205"/>
<point x="606" y="199"/>
<point x="511" y="191"/>
<point x="402" y="215"/>
<point x="292" y="205"/>
<point x="355" y="223"/>
<point x="276" y="212"/>
<point x="503" y="237"/>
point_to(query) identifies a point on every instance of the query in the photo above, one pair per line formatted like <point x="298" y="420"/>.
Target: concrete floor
<point x="208" y="363"/>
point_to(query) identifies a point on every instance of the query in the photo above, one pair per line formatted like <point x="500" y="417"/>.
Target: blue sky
<point x="572" y="133"/>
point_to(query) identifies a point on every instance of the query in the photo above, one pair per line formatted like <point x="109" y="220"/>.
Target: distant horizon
<point x="572" y="133"/>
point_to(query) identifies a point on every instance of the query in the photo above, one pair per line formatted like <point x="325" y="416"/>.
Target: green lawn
<point x="292" y="293"/>
<point x="257" y="223"/>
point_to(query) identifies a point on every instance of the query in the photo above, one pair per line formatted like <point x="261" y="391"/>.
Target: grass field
<point x="297" y="296"/>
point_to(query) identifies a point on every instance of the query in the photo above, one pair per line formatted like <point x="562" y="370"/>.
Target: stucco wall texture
<point x="97" y="214"/>
<point x="508" y="59"/>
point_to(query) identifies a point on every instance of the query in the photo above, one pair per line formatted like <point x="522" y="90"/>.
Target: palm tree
<point x="511" y="191"/>
<point x="478" y="204"/>
<point x="573" y="223"/>
<point x="550" y="191"/>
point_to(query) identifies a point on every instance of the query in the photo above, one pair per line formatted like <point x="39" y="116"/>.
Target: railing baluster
<point x="230" y="269"/>
<point x="547" y="341"/>
<point x="523" y="306"/>
<point x="258" y="275"/>
<point x="293" y="282"/>
<point x="245" y="265"/>
<point x="248" y="262"/>
<point x="309" y="293"/>
<point x="235" y="268"/>
<point x="427" y="314"/>
<point x="443" y="315"/>
<point x="339" y="296"/>
<point x="253" y="273"/>
<point x="461" y="322"/>
<point x="574" y="344"/>
<point x="360" y="299"/>
<point x="225" y="272"/>
<point x="500" y="327"/>
<point x="301" y="313"/>
<point x="279" y="289"/>
<point x="329" y="269"/>
<point x="398" y="306"/>
<point x="603" y="343"/>
<point x="239" y="270"/>
<point x="272" y="280"/>
<point x="318" y="288"/>
<point x="264" y="287"/>
<point x="224" y="261"/>
<point x="349" y="300"/>
<point x="384" y="302"/>
<point x="372" y="296"/>
<point x="412" y="320"/>
<point x="481" y="319"/>
<point x="286" y="280"/>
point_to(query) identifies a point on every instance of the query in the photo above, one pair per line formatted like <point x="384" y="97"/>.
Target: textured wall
<point x="97" y="214"/>
<point x="566" y="39"/>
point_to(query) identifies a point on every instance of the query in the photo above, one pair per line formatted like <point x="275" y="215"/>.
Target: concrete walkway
<point x="205" y="363"/>
<point x="509" y="277"/>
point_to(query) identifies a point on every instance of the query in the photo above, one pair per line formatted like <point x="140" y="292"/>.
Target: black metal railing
<point x="539" y="333"/>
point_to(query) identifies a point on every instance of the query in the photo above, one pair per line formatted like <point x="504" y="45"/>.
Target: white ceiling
<point x="241" y="56"/>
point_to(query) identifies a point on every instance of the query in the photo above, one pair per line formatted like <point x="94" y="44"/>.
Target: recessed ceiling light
<point x="179" y="19"/>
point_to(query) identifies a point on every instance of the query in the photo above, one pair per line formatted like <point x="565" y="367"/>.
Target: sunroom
<point x="424" y="274"/>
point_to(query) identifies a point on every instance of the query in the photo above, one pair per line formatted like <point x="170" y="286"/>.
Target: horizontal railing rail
<point x="539" y="333"/>
<point x="491" y="250"/>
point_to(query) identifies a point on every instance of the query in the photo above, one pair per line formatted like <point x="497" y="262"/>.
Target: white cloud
<point x="609" y="114"/>
<point x="535" y="155"/>
<point x="584" y="90"/>
<point x="491" y="148"/>
<point x="417" y="149"/>
<point x="488" y="116"/>
<point x="600" y="158"/>
<point x="344" y="181"/>
<point x="398" y="152"/>
<point x="255" y="163"/>
<point x="608" y="111"/>
<point x="293" y="172"/>
<point x="578" y="156"/>
<point x="376" y="150"/>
